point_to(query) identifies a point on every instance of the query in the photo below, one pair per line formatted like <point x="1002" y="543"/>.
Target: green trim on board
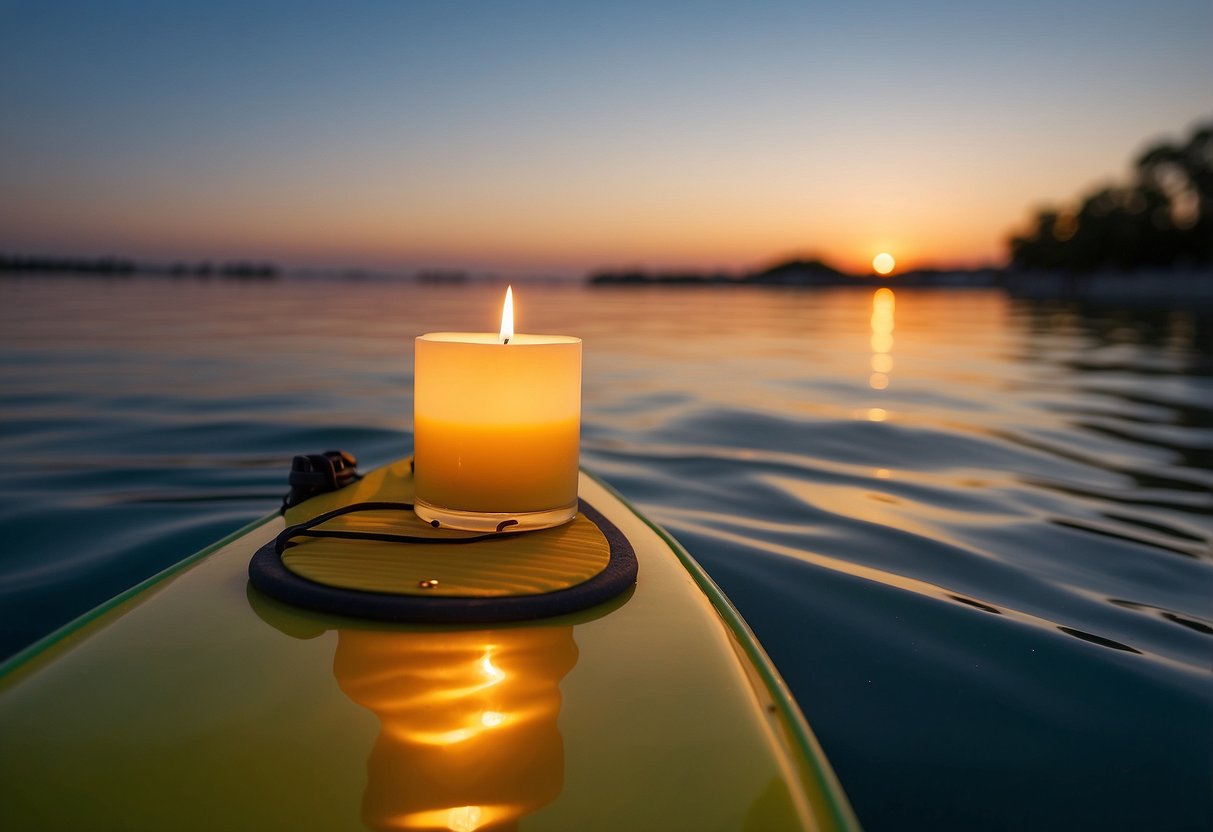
<point x="30" y="652"/>
<point x="798" y="728"/>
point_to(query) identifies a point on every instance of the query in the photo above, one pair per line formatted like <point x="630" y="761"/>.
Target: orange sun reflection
<point x="883" y="306"/>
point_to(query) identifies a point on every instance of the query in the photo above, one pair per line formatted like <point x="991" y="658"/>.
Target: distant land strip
<point x="111" y="266"/>
<point x="802" y="273"/>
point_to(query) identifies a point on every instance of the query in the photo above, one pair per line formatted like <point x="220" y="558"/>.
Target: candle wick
<point x="505" y="340"/>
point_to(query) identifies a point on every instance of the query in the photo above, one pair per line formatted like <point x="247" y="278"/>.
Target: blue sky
<point x="557" y="137"/>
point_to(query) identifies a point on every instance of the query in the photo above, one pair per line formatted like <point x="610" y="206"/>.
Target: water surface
<point x="973" y="533"/>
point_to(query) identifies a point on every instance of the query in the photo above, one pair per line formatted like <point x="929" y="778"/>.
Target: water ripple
<point x="977" y="543"/>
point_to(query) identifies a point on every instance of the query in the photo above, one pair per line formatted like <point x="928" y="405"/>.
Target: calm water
<point x="973" y="533"/>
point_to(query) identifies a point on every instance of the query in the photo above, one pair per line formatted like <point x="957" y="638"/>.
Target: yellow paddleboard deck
<point x="195" y="701"/>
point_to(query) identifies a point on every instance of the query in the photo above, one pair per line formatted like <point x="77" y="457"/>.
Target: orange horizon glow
<point x="525" y="225"/>
<point x="710" y="245"/>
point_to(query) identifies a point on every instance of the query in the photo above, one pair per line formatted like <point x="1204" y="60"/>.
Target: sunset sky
<point x="556" y="138"/>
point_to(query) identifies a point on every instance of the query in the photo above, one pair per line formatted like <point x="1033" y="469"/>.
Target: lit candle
<point x="496" y="427"/>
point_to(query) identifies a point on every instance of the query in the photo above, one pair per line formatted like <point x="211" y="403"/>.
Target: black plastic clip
<point x="319" y="474"/>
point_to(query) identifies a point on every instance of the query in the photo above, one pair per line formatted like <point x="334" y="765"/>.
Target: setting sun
<point x="883" y="263"/>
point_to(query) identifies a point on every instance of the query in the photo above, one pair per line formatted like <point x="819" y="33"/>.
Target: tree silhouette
<point x="1164" y="218"/>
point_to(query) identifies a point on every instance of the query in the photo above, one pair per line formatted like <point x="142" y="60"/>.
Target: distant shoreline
<point x="808" y="278"/>
<point x="1187" y="286"/>
<point x="1159" y="286"/>
<point x="111" y="266"/>
<point x="1192" y="285"/>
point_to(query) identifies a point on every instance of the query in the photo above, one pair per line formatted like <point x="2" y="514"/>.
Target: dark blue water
<point x="973" y="533"/>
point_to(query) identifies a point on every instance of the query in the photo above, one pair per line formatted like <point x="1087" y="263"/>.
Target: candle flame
<point x="507" y="316"/>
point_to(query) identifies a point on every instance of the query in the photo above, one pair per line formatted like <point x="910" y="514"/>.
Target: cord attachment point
<point x="313" y="474"/>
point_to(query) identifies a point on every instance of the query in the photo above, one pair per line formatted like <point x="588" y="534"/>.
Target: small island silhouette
<point x="811" y="271"/>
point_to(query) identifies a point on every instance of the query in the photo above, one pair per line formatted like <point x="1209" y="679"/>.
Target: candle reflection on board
<point x="468" y="734"/>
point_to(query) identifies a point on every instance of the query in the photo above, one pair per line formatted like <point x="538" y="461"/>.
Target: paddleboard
<point x="197" y="701"/>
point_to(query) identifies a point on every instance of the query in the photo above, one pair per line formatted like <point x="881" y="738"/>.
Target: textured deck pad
<point x="510" y="577"/>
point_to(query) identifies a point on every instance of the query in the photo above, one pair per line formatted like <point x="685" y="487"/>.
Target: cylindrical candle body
<point x="496" y="426"/>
